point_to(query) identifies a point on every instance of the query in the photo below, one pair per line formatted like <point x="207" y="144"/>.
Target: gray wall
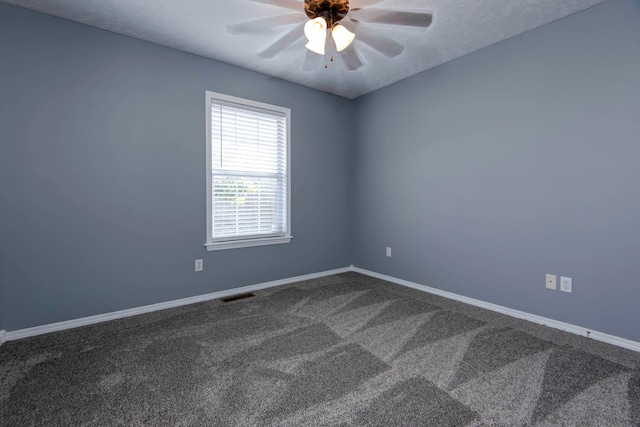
<point x="102" y="174"/>
<point x="482" y="174"/>
<point x="521" y="159"/>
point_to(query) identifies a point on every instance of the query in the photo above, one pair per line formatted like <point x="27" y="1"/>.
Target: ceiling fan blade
<point x="265" y="23"/>
<point x="392" y="16"/>
<point x="312" y="61"/>
<point x="286" y="4"/>
<point x="351" y="58"/>
<point x="375" y="40"/>
<point x="283" y="42"/>
<point x="364" y="3"/>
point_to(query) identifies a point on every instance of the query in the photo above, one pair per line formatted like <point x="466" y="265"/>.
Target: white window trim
<point x="244" y="242"/>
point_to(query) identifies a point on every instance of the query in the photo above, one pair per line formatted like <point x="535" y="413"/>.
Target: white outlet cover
<point x="388" y="251"/>
<point x="550" y="281"/>
<point x="199" y="265"/>
<point x="565" y="284"/>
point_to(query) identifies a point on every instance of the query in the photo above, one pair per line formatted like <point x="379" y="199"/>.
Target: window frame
<point x="256" y="240"/>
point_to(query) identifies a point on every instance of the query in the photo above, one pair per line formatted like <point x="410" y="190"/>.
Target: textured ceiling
<point x="200" y="26"/>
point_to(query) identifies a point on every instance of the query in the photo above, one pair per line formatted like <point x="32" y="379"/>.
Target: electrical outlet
<point x="388" y="251"/>
<point x="565" y="284"/>
<point x="199" y="265"/>
<point x="550" y="282"/>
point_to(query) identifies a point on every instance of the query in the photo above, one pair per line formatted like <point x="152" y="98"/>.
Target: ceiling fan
<point x="332" y="24"/>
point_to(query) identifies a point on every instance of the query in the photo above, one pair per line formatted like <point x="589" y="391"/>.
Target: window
<point x="248" y="180"/>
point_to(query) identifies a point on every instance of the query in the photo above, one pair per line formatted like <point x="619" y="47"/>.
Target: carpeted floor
<point x="341" y="350"/>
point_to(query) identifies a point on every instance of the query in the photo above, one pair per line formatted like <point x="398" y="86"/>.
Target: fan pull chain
<point x="330" y="55"/>
<point x="329" y="35"/>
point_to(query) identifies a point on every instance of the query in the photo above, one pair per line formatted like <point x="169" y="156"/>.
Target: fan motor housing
<point x="331" y="10"/>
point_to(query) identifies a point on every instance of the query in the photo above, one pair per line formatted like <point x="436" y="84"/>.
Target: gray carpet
<point x="341" y="350"/>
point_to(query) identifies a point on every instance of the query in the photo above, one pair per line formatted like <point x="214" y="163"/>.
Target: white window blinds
<point x="249" y="182"/>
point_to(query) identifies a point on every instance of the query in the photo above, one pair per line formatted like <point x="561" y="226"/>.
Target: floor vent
<point x="237" y="297"/>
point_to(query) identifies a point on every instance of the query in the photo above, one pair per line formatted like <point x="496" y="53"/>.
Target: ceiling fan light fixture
<point x="317" y="45"/>
<point x="316" y="32"/>
<point x="341" y="37"/>
<point x="315" y="28"/>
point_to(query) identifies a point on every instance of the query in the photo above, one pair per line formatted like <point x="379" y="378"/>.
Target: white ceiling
<point x="200" y="26"/>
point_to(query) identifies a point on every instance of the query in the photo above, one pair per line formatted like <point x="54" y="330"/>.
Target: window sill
<point x="234" y="244"/>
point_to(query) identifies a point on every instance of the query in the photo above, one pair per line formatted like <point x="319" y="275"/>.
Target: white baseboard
<point x="69" y="324"/>
<point x="578" y="330"/>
